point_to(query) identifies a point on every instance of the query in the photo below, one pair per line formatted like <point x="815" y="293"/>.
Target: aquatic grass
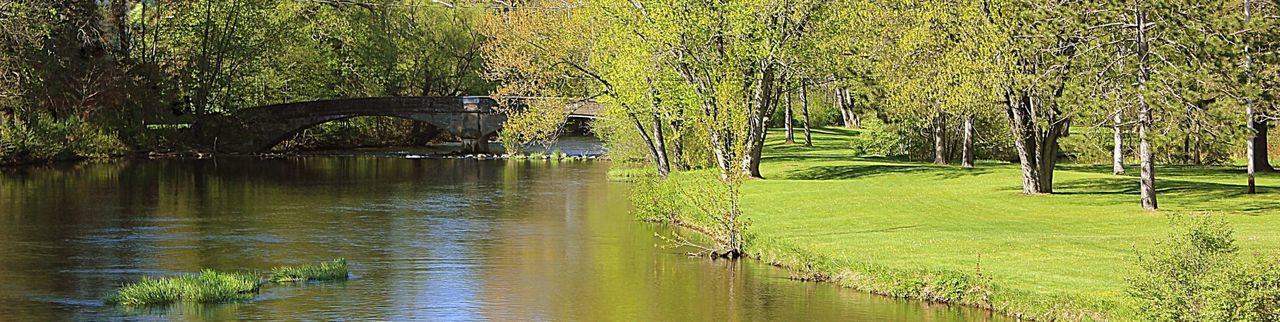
<point x="207" y="287"/>
<point x="219" y="287"/>
<point x="326" y="271"/>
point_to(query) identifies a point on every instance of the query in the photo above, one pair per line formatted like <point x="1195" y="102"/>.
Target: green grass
<point x="219" y="287"/>
<point x="326" y="271"/>
<point x="207" y="287"/>
<point x="622" y="171"/>
<point x="913" y="229"/>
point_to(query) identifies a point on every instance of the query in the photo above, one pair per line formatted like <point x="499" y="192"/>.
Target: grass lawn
<point x="1064" y="255"/>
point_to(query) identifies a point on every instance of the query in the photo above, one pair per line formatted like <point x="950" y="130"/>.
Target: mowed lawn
<point x="1077" y="243"/>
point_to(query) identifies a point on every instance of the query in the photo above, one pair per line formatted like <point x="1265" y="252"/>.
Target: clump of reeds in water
<point x="207" y="287"/>
<point x="326" y="271"/>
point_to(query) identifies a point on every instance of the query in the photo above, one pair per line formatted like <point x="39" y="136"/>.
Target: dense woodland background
<point x="86" y="77"/>
<point x="690" y="84"/>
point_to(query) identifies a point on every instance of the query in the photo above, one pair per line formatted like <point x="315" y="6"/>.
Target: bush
<point x="656" y="199"/>
<point x="40" y="137"/>
<point x="207" y="287"/>
<point x="1197" y="274"/>
<point x="875" y="140"/>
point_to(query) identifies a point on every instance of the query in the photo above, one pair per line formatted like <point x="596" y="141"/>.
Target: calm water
<point x="427" y="239"/>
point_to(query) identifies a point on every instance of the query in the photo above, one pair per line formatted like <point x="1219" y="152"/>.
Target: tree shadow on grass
<point x="835" y="131"/>
<point x="1169" y="170"/>
<point x="855" y="171"/>
<point x="1179" y="195"/>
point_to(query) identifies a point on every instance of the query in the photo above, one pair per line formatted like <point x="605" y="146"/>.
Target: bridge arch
<point x="258" y="129"/>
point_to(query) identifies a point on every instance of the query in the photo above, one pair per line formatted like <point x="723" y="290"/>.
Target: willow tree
<point x="558" y="49"/>
<point x="732" y="56"/>
<point x="715" y="68"/>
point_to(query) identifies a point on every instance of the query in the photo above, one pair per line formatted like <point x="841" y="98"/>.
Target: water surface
<point x="426" y="239"/>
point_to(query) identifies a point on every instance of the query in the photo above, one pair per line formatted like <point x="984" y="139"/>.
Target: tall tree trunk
<point x="656" y="142"/>
<point x="853" y="121"/>
<point x="969" y="132"/>
<point x="845" y="120"/>
<point x="1250" y="119"/>
<point x="1037" y="148"/>
<point x="1049" y="154"/>
<point x="676" y="159"/>
<point x="1148" y="180"/>
<point x="787" y="120"/>
<point x="804" y="112"/>
<point x="940" y="138"/>
<point x="120" y="17"/>
<point x="142" y="33"/>
<point x="1196" y="144"/>
<point x="203" y="62"/>
<point x="1261" y="160"/>
<point x="1117" y="147"/>
<point x="660" y="146"/>
<point x="651" y="141"/>
<point x="764" y="100"/>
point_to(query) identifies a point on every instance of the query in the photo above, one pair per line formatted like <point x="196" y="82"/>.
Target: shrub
<point x="327" y="271"/>
<point x="656" y="199"/>
<point x="875" y="140"/>
<point x="207" y="287"/>
<point x="40" y="137"/>
<point x="1197" y="274"/>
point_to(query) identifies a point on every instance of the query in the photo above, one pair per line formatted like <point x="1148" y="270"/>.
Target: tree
<point x="25" y="24"/>
<point x="933" y="61"/>
<point x="788" y="120"/>
<point x="1176" y="54"/>
<point x="1257" y="127"/>
<point x="565" y="61"/>
<point x="804" y="113"/>
<point x="712" y="70"/>
<point x="1035" y="58"/>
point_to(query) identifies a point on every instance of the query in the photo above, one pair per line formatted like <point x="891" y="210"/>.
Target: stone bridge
<point x="474" y="119"/>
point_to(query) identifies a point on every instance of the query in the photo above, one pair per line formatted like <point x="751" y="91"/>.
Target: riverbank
<point x="968" y="236"/>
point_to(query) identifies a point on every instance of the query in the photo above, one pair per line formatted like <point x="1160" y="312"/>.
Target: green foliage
<point x="822" y="110"/>
<point x="621" y="139"/>
<point x="246" y="53"/>
<point x="40" y="137"/>
<point x="656" y="199"/>
<point x="540" y="124"/>
<point x="874" y="140"/>
<point x="207" y="287"/>
<point x="326" y="271"/>
<point x="697" y="200"/>
<point x="1197" y="274"/>
<point x="934" y="57"/>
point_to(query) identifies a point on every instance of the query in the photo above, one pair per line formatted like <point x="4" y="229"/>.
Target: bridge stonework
<point x="472" y="118"/>
<point x="258" y="129"/>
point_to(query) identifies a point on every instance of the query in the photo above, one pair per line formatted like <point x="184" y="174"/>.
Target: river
<point x="426" y="239"/>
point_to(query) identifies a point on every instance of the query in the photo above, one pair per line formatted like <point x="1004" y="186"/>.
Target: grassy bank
<point x="945" y="233"/>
